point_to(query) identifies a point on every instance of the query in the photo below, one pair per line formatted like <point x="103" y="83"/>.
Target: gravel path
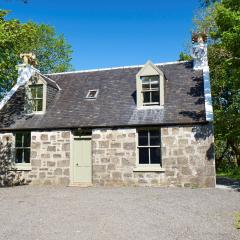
<point x="33" y="213"/>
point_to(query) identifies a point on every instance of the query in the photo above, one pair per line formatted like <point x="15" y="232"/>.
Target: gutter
<point x="102" y="127"/>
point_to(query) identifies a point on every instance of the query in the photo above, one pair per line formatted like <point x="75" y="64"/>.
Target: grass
<point x="233" y="173"/>
<point x="237" y="220"/>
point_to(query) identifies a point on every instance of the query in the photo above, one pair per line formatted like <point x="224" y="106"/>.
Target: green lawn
<point x="233" y="173"/>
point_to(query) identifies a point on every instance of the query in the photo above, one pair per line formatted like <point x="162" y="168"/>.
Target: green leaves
<point x="221" y="20"/>
<point x="184" y="57"/>
<point x="52" y="51"/>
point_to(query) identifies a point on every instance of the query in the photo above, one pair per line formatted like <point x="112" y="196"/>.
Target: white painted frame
<point x="149" y="69"/>
<point x="147" y="167"/>
<point x="89" y="92"/>
<point x="40" y="81"/>
<point x="21" y="166"/>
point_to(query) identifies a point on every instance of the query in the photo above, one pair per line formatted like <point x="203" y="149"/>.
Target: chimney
<point x="29" y="59"/>
<point x="25" y="71"/>
<point x="199" y="50"/>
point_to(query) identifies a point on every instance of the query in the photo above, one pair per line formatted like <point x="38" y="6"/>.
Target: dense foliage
<point x="52" y="51"/>
<point x="222" y="23"/>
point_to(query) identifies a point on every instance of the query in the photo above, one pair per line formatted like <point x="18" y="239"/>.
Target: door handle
<point x="76" y="164"/>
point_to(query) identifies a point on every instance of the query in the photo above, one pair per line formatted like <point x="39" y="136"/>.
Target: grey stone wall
<point x="50" y="157"/>
<point x="187" y="158"/>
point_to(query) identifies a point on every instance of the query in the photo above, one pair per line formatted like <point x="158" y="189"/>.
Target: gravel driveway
<point x="32" y="213"/>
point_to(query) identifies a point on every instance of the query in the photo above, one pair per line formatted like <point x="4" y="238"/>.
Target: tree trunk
<point x="236" y="149"/>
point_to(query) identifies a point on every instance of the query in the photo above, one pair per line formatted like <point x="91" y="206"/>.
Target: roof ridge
<point x="113" y="68"/>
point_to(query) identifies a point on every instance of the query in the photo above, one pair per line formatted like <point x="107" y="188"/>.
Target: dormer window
<point x="36" y="97"/>
<point x="150" y="86"/>
<point x="150" y="90"/>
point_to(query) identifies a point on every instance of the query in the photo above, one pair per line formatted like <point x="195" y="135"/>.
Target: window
<point x="150" y="90"/>
<point x="150" y="83"/>
<point x="149" y="147"/>
<point x="22" y="147"/>
<point x="92" y="94"/>
<point x="36" y="97"/>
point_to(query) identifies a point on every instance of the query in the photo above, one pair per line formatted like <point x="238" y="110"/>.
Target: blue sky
<point x="112" y="33"/>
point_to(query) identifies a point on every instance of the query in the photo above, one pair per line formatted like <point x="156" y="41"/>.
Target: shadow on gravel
<point x="229" y="183"/>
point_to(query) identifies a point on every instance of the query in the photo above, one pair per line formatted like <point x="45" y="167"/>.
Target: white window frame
<point x="149" y="69"/>
<point x="22" y="166"/>
<point x="89" y="92"/>
<point x="36" y="80"/>
<point x="35" y="98"/>
<point x="151" y="90"/>
<point x="148" y="167"/>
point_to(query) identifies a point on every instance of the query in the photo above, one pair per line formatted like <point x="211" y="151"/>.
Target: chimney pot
<point x="29" y="58"/>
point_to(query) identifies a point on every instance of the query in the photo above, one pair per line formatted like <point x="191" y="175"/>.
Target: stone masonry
<point x="187" y="158"/>
<point x="50" y="157"/>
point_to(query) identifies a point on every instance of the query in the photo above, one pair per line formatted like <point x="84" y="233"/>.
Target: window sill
<point x="23" y="167"/>
<point x="150" y="107"/>
<point x="35" y="113"/>
<point x="149" y="169"/>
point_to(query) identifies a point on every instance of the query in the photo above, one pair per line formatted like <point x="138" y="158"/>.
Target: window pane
<point x="19" y="154"/>
<point x="27" y="155"/>
<point x="155" y="85"/>
<point x="33" y="91"/>
<point x="92" y="94"/>
<point x="146" y="97"/>
<point x="155" y="96"/>
<point x="155" y="155"/>
<point x="155" y="137"/>
<point x="27" y="139"/>
<point x="19" y="140"/>
<point x="143" y="138"/>
<point x="146" y="86"/>
<point x="38" y="105"/>
<point x="145" y="80"/>
<point x="39" y="91"/>
<point x="143" y="156"/>
<point x="34" y="105"/>
<point x="154" y="78"/>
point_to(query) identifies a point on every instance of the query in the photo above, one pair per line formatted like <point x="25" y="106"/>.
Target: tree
<point x="222" y="23"/>
<point x="227" y="18"/>
<point x="206" y="3"/>
<point x="184" y="57"/>
<point x="52" y="51"/>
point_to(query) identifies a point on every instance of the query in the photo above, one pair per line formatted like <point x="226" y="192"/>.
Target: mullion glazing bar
<point x="149" y="160"/>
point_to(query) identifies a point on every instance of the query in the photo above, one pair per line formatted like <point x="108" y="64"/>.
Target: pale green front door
<point x="82" y="161"/>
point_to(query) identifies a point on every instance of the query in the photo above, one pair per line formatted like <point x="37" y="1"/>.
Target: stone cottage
<point x="148" y="125"/>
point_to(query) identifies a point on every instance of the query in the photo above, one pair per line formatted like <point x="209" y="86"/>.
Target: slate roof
<point x="50" y="82"/>
<point x="116" y="101"/>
